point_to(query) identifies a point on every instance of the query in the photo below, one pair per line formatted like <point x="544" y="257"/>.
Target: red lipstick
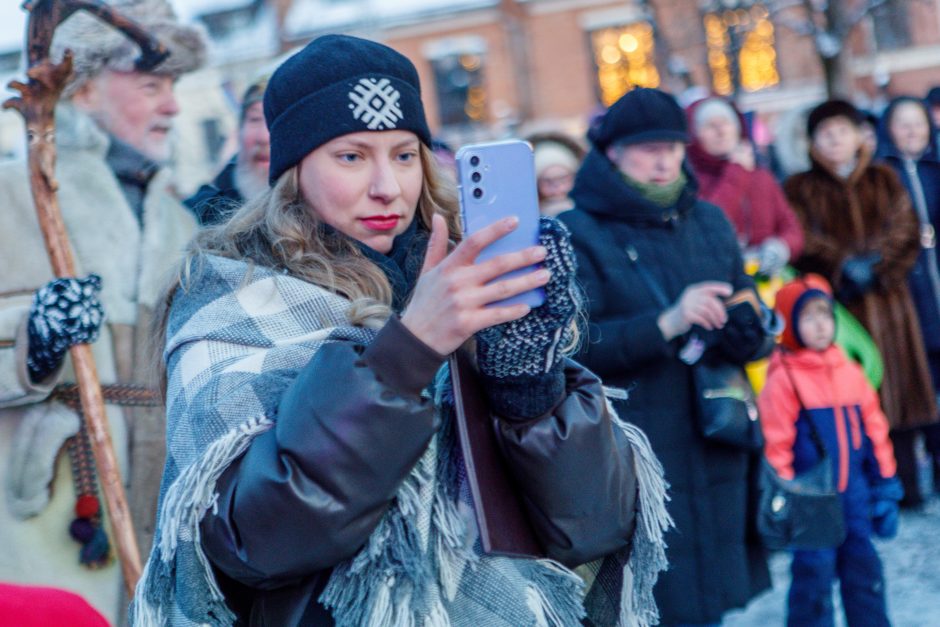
<point x="381" y="223"/>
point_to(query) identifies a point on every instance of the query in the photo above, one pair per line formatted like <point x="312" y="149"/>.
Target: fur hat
<point x="641" y="115"/>
<point x="96" y="45"/>
<point x="790" y="301"/>
<point x="833" y="109"/>
<point x="338" y="85"/>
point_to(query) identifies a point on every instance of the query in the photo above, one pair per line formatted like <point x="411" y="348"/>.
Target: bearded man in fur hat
<point x="246" y="174"/>
<point x="126" y="230"/>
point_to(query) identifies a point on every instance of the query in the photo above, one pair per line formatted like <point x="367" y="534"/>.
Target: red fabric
<point x="785" y="300"/>
<point x="31" y="606"/>
<point x="753" y="201"/>
<point x="827" y="379"/>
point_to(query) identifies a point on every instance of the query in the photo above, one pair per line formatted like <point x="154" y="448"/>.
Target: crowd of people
<point x="290" y="357"/>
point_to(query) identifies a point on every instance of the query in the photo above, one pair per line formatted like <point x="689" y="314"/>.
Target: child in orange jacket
<point x="810" y="378"/>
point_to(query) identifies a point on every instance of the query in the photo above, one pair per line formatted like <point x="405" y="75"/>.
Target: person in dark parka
<point x="907" y="142"/>
<point x="636" y="211"/>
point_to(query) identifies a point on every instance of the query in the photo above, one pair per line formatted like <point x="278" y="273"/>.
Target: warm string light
<point x="625" y="59"/>
<point x="757" y="57"/>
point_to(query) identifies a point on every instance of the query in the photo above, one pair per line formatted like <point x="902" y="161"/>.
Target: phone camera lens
<point x="475" y="177"/>
<point x="474" y="160"/>
<point x="478" y="193"/>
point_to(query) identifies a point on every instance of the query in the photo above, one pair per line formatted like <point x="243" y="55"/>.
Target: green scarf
<point x="660" y="195"/>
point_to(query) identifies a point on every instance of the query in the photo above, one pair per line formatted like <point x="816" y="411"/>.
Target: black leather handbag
<point x="727" y="407"/>
<point x="804" y="512"/>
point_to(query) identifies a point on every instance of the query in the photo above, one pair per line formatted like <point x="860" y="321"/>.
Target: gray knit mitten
<point x="64" y="312"/>
<point x="521" y="361"/>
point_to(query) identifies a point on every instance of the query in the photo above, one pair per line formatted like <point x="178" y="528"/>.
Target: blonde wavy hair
<point x="279" y="229"/>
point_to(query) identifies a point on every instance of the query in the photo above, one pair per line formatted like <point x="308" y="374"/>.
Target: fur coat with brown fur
<point x="869" y="212"/>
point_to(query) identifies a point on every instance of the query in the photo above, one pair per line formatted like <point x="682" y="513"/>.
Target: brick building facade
<point x="540" y="63"/>
<point x="494" y="67"/>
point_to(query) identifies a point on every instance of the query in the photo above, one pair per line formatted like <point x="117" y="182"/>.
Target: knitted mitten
<point x="64" y="312"/>
<point x="521" y="361"/>
<point x="885" y="496"/>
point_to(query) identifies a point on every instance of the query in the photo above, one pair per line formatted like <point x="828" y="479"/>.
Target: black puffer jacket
<point x="713" y="564"/>
<point x="308" y="493"/>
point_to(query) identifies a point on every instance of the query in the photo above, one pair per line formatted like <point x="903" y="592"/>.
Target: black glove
<point x="743" y="335"/>
<point x="858" y="276"/>
<point x="64" y="312"/>
<point x="521" y="361"/>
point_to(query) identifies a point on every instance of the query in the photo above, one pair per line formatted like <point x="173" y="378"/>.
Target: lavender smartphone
<point x="497" y="180"/>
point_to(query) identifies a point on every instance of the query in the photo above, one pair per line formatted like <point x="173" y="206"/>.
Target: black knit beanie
<point x="933" y="97"/>
<point x="338" y="85"/>
<point x="641" y="115"/>
<point x="833" y="109"/>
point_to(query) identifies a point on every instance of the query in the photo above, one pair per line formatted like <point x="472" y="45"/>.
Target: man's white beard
<point x="247" y="181"/>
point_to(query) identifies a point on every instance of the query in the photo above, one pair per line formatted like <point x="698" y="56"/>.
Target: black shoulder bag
<point x="726" y="405"/>
<point x="804" y="512"/>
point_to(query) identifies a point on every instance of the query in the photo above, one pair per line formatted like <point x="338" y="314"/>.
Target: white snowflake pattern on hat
<point x="375" y="102"/>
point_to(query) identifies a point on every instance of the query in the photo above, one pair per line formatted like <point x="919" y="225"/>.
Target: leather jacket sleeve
<point x="575" y="470"/>
<point x="308" y="492"/>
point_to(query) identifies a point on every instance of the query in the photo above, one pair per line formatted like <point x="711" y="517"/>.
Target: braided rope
<point x="121" y="394"/>
<point x="88" y="528"/>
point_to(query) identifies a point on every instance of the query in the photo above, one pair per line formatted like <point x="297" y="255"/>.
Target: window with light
<point x="741" y="48"/>
<point x="458" y="81"/>
<point x="624" y="57"/>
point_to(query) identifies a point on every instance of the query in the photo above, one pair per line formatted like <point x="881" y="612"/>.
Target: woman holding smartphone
<point x="657" y="265"/>
<point x="313" y="473"/>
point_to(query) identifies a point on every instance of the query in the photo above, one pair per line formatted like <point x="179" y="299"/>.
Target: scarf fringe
<point x="142" y="612"/>
<point x="648" y="554"/>
<point x="554" y="595"/>
<point x="380" y="583"/>
<point x="186" y="502"/>
<point x="437" y="617"/>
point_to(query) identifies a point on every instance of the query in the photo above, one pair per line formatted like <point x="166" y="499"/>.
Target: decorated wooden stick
<point x="36" y="102"/>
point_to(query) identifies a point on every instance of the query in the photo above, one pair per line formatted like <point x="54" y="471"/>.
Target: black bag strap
<point x="633" y="256"/>
<point x="813" y="431"/>
<point x="646" y="276"/>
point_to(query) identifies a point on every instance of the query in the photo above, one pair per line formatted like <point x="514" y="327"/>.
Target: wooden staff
<point x="36" y="103"/>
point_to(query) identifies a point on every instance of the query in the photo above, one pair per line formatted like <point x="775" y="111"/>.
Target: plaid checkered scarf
<point x="237" y="337"/>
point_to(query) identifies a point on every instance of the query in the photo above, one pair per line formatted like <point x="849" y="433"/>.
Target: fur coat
<point x="133" y="264"/>
<point x="869" y="211"/>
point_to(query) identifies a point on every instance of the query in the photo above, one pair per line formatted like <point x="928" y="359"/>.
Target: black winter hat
<point x="833" y="109"/>
<point x="641" y="115"/>
<point x="338" y="85"/>
<point x="933" y="97"/>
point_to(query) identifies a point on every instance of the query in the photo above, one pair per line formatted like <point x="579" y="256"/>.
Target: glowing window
<point x="741" y="49"/>
<point x="461" y="96"/>
<point x="624" y="58"/>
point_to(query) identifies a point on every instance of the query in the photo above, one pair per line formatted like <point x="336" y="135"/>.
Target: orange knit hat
<point x="790" y="301"/>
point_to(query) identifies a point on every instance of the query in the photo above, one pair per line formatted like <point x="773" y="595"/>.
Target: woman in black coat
<point x="908" y="144"/>
<point x="636" y="212"/>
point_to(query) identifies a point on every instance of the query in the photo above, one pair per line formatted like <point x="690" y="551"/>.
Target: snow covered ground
<point x="912" y="575"/>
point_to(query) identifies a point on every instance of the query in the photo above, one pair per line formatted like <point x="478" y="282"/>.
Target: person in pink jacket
<point x="812" y="383"/>
<point x="723" y="159"/>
